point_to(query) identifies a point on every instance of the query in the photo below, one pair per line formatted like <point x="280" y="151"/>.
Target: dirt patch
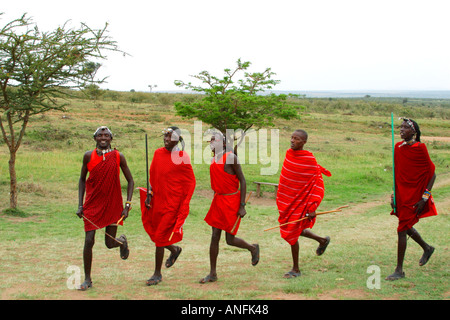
<point x="441" y="139"/>
<point x="337" y="294"/>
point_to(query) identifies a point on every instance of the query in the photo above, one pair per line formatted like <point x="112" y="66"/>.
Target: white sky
<point x="310" y="45"/>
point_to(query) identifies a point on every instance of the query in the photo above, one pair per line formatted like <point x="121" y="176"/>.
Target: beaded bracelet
<point x="426" y="195"/>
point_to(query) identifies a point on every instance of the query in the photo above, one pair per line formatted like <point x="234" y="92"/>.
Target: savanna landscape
<point x="349" y="137"/>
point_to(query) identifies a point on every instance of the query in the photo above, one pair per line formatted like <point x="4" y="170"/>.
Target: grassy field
<point x="355" y="146"/>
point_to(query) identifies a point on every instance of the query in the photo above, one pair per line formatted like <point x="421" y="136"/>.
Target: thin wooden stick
<point x="121" y="218"/>
<point x="103" y="230"/>
<point x="239" y="217"/>
<point x="317" y="214"/>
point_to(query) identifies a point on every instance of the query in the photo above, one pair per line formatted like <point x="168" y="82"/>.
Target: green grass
<point x="38" y="247"/>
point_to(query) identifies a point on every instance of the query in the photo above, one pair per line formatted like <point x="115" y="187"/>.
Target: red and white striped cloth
<point x="300" y="191"/>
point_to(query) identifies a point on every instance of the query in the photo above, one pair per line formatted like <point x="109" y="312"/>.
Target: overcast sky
<point x="310" y="45"/>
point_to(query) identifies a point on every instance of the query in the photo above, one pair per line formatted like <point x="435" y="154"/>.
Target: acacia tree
<point x="239" y="104"/>
<point x="37" y="67"/>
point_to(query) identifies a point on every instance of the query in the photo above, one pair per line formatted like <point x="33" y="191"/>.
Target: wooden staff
<point x="102" y="229"/>
<point x="239" y="217"/>
<point x="121" y="218"/>
<point x="317" y="214"/>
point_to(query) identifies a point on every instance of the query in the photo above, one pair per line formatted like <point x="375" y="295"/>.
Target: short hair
<point x="302" y="132"/>
<point x="100" y="129"/>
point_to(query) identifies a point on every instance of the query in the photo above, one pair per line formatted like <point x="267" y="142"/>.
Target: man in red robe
<point x="414" y="179"/>
<point x="228" y="205"/>
<point x="300" y="192"/>
<point x="165" y="206"/>
<point x="103" y="207"/>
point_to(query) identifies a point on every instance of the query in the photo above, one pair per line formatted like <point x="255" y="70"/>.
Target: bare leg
<point x="307" y="233"/>
<point x="157" y="276"/>
<point x="323" y="242"/>
<point x="295" y="272"/>
<point x="401" y="249"/>
<point x="89" y="242"/>
<point x="111" y="243"/>
<point x="427" y="249"/>
<point x="213" y="254"/>
<point x="174" y="253"/>
<point x="241" y="243"/>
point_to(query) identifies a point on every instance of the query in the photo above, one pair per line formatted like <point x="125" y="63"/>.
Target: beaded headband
<point x="102" y="128"/>
<point x="170" y="130"/>
<point x="410" y="123"/>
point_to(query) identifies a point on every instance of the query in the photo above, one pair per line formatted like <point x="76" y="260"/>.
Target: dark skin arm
<point x="127" y="173"/>
<point x="421" y="203"/>
<point x="82" y="183"/>
<point x="148" y="199"/>
<point x="236" y="169"/>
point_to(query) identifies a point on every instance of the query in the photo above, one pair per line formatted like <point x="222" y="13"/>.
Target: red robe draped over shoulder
<point x="173" y="184"/>
<point x="103" y="204"/>
<point x="227" y="198"/>
<point x="413" y="170"/>
<point x="300" y="191"/>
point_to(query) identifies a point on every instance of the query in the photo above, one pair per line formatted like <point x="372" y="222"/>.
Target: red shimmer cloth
<point x="227" y="198"/>
<point x="173" y="183"/>
<point x="104" y="204"/>
<point x="300" y="191"/>
<point x="413" y="170"/>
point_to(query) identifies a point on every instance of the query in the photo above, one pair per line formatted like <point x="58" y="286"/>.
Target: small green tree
<point x="35" y="68"/>
<point x="233" y="104"/>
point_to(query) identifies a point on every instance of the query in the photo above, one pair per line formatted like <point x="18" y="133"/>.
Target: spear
<point x="317" y="214"/>
<point x="393" y="162"/>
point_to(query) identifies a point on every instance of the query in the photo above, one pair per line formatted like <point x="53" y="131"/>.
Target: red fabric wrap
<point x="104" y="204"/>
<point x="173" y="184"/>
<point x="300" y="191"/>
<point x="413" y="170"/>
<point x="227" y="198"/>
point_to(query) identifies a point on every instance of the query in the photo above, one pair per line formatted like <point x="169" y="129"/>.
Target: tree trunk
<point x="13" y="180"/>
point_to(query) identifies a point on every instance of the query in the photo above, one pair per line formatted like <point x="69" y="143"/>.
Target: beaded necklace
<point x="104" y="151"/>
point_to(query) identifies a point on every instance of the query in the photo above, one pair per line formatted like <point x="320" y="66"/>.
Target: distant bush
<point x="414" y="108"/>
